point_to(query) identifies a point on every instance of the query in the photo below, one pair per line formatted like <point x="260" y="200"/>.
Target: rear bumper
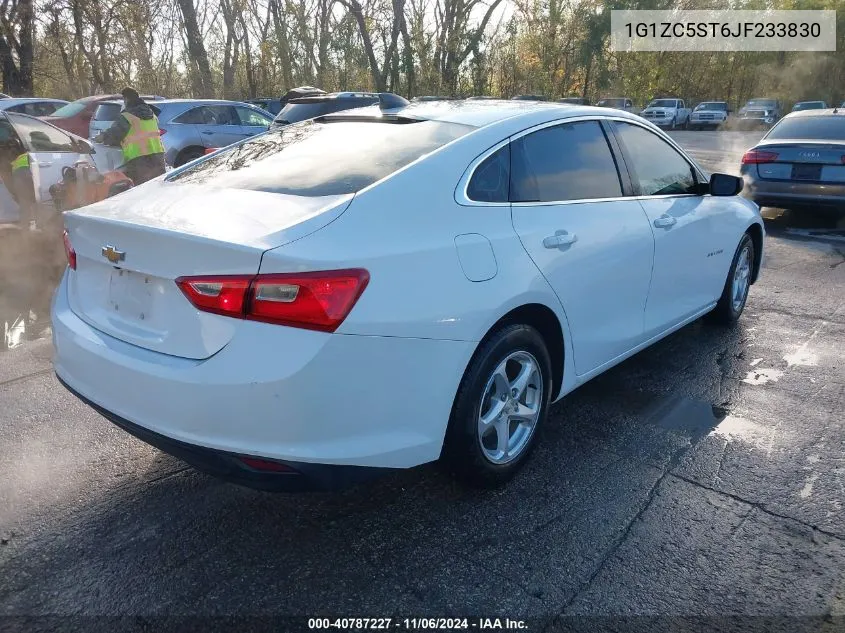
<point x="301" y="477"/>
<point x="298" y="397"/>
<point x="789" y="194"/>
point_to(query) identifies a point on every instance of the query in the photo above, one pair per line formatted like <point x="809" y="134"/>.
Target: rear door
<point x="693" y="235"/>
<point x="252" y="121"/>
<point x="593" y="245"/>
<point x="50" y="151"/>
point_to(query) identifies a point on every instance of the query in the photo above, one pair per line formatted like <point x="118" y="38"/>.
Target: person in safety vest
<point x="19" y="182"/>
<point x="136" y="132"/>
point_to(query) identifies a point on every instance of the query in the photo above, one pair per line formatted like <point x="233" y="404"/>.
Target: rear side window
<point x="491" y="180"/>
<point x="322" y="159"/>
<point x="571" y="161"/>
<point x="107" y="112"/>
<point x="816" y="128"/>
<point x="660" y="169"/>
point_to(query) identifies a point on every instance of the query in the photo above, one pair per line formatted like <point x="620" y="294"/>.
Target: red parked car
<point x="76" y="116"/>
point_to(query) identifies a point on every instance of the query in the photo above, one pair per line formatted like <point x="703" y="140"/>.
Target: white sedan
<point x="383" y="287"/>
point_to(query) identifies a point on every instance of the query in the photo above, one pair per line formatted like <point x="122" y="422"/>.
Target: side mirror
<point x="83" y="146"/>
<point x="725" y="185"/>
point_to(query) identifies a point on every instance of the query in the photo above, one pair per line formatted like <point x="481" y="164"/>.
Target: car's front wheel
<point x="501" y="404"/>
<point x="735" y="293"/>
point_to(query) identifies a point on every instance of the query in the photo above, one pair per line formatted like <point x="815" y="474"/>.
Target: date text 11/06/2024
<point x="417" y="624"/>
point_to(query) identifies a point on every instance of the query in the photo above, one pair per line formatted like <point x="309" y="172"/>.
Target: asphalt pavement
<point x="702" y="479"/>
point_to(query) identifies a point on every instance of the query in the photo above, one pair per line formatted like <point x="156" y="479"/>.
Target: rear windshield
<point x="107" y="112"/>
<point x="71" y="109"/>
<point x="761" y="103"/>
<point x="817" y="128"/>
<point x="322" y="158"/>
<point x="663" y="103"/>
<point x="296" y="112"/>
<point x="712" y="106"/>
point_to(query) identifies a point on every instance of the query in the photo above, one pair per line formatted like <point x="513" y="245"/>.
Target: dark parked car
<point x="574" y="100"/>
<point x="759" y="113"/>
<point x="303" y="108"/>
<point x="274" y="105"/>
<point x="798" y="164"/>
<point x="268" y="104"/>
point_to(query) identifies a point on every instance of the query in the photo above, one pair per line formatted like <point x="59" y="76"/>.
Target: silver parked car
<point x="191" y="126"/>
<point x="798" y="164"/>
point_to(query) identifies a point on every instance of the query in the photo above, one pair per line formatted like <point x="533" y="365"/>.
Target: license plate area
<point x="131" y="295"/>
<point x="806" y="172"/>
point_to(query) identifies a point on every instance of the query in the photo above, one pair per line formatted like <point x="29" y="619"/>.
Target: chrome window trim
<point x="463" y="199"/>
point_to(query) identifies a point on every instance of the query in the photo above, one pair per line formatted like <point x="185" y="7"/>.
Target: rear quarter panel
<point x="403" y="232"/>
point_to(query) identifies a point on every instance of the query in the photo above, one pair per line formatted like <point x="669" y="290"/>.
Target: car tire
<point x="502" y="403"/>
<point x="735" y="293"/>
<point x="187" y="155"/>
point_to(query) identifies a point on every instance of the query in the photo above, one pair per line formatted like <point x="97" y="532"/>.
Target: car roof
<point x="485" y="112"/>
<point x="16" y="100"/>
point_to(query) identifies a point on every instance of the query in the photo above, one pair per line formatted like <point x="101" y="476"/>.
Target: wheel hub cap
<point x="510" y="407"/>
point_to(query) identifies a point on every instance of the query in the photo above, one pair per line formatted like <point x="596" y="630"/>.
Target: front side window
<point x="571" y="161"/>
<point x="251" y="118"/>
<point x="321" y="158"/>
<point x="38" y="136"/>
<point x="660" y="169"/>
<point x="491" y="180"/>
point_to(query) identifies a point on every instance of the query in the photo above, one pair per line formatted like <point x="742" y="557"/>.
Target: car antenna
<point x="388" y="100"/>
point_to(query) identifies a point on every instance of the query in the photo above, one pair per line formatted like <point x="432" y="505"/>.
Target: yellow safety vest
<point x="21" y="162"/>
<point x="143" y="138"/>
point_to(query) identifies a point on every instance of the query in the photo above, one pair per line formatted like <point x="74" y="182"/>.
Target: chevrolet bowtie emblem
<point x="112" y="254"/>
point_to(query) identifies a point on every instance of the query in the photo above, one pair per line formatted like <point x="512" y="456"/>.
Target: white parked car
<point x="669" y="113"/>
<point x="709" y="115"/>
<point x="377" y="288"/>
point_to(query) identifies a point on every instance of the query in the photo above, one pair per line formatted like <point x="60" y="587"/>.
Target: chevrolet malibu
<point x="384" y="287"/>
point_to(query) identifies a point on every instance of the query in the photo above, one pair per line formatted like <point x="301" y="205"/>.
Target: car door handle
<point x="560" y="239"/>
<point x="207" y="132"/>
<point x="47" y="164"/>
<point x="664" y="222"/>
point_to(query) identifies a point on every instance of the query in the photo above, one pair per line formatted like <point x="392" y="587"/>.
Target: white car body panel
<point x="443" y="271"/>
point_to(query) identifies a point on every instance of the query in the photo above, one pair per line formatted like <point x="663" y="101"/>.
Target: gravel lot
<point x="704" y="477"/>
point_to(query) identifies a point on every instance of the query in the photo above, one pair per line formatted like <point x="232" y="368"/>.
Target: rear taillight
<point x="756" y="156"/>
<point x="313" y="300"/>
<point x="69" y="252"/>
<point x="224" y="295"/>
<point x="161" y="132"/>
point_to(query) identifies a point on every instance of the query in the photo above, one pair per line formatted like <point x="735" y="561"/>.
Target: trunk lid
<point x="804" y="161"/>
<point x="130" y="249"/>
